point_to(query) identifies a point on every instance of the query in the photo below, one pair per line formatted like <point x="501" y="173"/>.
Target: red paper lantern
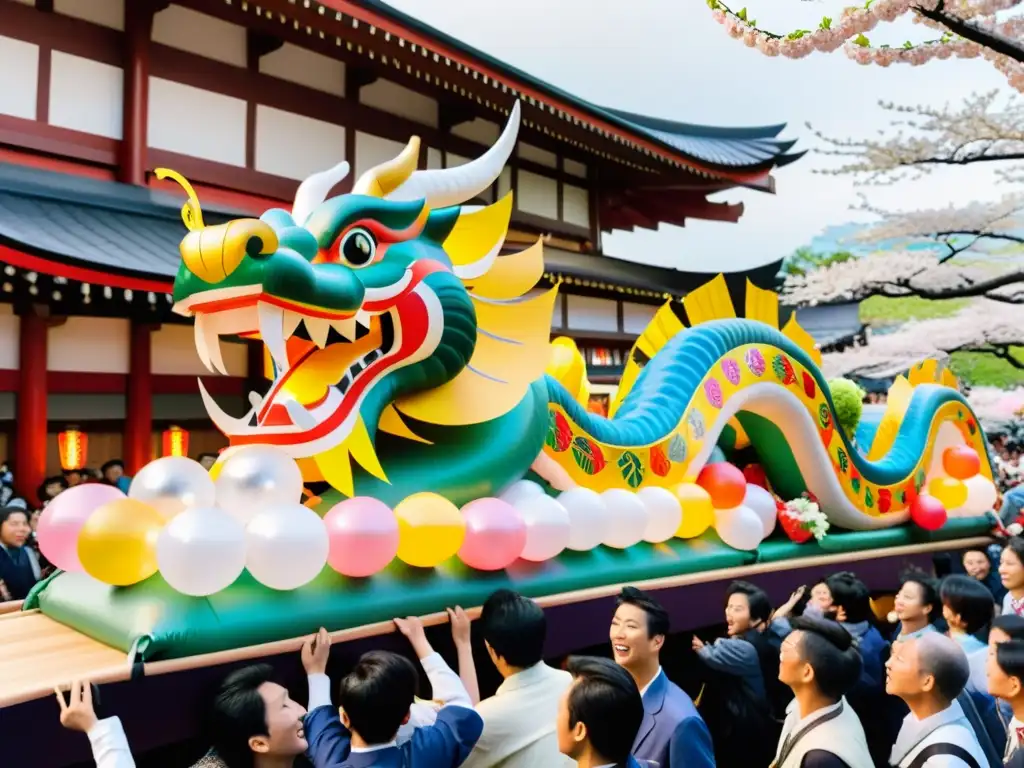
<point x="928" y="512"/>
<point x="961" y="462"/>
<point x="73" y="447"/>
<point x="175" y="441"/>
<point x="724" y="483"/>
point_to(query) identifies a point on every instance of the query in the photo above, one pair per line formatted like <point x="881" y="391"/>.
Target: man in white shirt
<point x="519" y="719"/>
<point x="928" y="673"/>
<point x="109" y="745"/>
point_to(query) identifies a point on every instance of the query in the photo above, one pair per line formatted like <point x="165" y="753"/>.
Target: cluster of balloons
<point x="745" y="513"/>
<point x="961" y="491"/>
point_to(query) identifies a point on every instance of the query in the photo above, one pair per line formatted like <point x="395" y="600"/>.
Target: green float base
<point x="165" y="624"/>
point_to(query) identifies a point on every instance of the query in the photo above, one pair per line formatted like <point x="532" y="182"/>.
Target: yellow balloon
<point x="952" y="493"/>
<point x="430" y="530"/>
<point x="698" y="512"/>
<point x="117" y="544"/>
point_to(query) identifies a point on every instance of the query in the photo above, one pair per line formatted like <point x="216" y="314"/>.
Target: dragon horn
<point x="314" y="189"/>
<point x="451" y="186"/>
<point x="385" y="178"/>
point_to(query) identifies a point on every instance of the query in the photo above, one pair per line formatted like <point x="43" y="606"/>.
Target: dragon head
<point x="366" y="302"/>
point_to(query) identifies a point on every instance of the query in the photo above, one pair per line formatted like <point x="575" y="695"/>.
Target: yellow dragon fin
<point x="476" y="239"/>
<point x="569" y="368"/>
<point x="709" y="302"/>
<point x="335" y="465"/>
<point x="510" y="276"/>
<point x="796" y="333"/>
<point x="896" y="405"/>
<point x="925" y="372"/>
<point x="762" y="305"/>
<point x="392" y="423"/>
<point x="512" y="350"/>
<point x="663" y="326"/>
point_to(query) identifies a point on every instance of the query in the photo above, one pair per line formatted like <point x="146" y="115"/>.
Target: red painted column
<point x="138" y="421"/>
<point x="132" y="160"/>
<point x="30" y="437"/>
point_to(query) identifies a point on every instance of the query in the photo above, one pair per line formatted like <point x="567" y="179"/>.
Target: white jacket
<point x="838" y="732"/>
<point x="949" y="726"/>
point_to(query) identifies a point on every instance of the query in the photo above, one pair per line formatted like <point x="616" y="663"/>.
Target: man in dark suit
<point x="672" y="734"/>
<point x="375" y="700"/>
<point x="599" y="715"/>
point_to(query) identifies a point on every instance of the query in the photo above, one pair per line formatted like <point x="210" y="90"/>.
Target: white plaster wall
<point x="636" y="317"/>
<point x="174" y="352"/>
<point x="575" y="205"/>
<point x="86" y="95"/>
<point x="399" y="100"/>
<point x="479" y="130"/>
<point x="538" y="195"/>
<point x="107" y="13"/>
<point x="537" y="155"/>
<point x="587" y="313"/>
<point x="193" y="121"/>
<point x="9" y="325"/>
<point x="305" y="67"/>
<point x="433" y="158"/>
<point x="295" y="146"/>
<point x="373" y="150"/>
<point x="19" y="77"/>
<point x="505" y="182"/>
<point x="197" y="33"/>
<point x="89" y="345"/>
<point x="573" y="168"/>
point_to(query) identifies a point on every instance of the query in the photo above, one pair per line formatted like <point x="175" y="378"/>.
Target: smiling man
<point x="672" y="733"/>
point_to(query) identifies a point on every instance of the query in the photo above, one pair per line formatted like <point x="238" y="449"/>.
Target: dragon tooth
<point x="226" y="423"/>
<point x="214" y="349"/>
<point x="318" y="330"/>
<point x="363" y="318"/>
<point x="201" y="346"/>
<point x="291" y="321"/>
<point x="346" y="328"/>
<point x="255" y="400"/>
<point x="299" y="415"/>
<point x="271" y="320"/>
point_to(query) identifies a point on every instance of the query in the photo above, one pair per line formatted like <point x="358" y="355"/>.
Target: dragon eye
<point x="357" y="247"/>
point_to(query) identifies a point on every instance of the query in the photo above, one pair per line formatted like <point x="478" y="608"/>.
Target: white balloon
<point x="172" y="484"/>
<point x="258" y="476"/>
<point x="628" y="518"/>
<point x="547" y="527"/>
<point x="981" y="496"/>
<point x="286" y="546"/>
<point x="739" y="527"/>
<point x="664" y="513"/>
<point x="521" y="489"/>
<point x="763" y="504"/>
<point x="589" y="520"/>
<point x="201" y="551"/>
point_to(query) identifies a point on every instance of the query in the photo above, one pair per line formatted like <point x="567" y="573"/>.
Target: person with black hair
<point x="519" y="719"/>
<point x="820" y="663"/>
<point x="19" y="565"/>
<point x="50" y="487"/>
<point x="599" y="715"/>
<point x="1011" y="575"/>
<point x="734" y="701"/>
<point x="673" y="734"/>
<point x="968" y="610"/>
<point x="1007" y="627"/>
<point x="1006" y="681"/>
<point x="929" y="674"/>
<point x="918" y="605"/>
<point x="978" y="565"/>
<point x="375" y="700"/>
<point x="113" y="474"/>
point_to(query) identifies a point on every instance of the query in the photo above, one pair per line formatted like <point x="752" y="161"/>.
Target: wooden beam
<point x="138" y="27"/>
<point x="30" y="439"/>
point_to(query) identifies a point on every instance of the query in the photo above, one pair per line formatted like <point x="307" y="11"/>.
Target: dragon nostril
<point x="254" y="247"/>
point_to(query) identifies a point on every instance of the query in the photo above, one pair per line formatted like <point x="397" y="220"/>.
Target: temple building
<point x="246" y="99"/>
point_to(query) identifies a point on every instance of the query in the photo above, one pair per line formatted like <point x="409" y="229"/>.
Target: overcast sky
<point x="668" y="58"/>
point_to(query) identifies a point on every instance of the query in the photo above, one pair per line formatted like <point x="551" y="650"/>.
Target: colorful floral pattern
<point x="755" y="362"/>
<point x="731" y="369"/>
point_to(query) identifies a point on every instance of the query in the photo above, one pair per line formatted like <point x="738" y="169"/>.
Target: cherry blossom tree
<point x="982" y="326"/>
<point x="967" y="29"/>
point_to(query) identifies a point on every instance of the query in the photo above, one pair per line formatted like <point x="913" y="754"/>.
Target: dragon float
<point x="406" y="352"/>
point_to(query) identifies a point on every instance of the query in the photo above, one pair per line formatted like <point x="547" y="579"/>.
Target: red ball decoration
<point x="928" y="512"/>
<point x="754" y="473"/>
<point x="961" y="462"/>
<point x="724" y="483"/>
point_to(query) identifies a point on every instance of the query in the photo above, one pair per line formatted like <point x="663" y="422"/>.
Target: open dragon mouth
<point x="323" y="363"/>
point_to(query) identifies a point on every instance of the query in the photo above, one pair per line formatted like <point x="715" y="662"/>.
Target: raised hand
<point x="412" y="628"/>
<point x="460" y="625"/>
<point x="696" y="643"/>
<point x="315" y="651"/>
<point x="77" y="714"/>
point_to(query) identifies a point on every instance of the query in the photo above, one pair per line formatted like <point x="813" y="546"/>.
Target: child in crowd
<point x="918" y="605"/>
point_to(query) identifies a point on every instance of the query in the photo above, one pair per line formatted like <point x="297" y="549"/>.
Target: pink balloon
<point x="364" y="536"/>
<point x="495" y="535"/>
<point x="64" y="517"/>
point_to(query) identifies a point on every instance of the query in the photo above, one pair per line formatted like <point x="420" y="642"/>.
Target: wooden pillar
<point x="138" y="25"/>
<point x="138" y="422"/>
<point x="30" y="436"/>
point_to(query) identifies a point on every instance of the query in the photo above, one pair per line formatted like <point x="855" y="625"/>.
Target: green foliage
<point x="985" y="369"/>
<point x="885" y="310"/>
<point x="804" y="260"/>
<point x="848" y="399"/>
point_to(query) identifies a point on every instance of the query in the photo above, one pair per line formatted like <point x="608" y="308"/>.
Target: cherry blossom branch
<point x="987" y="37"/>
